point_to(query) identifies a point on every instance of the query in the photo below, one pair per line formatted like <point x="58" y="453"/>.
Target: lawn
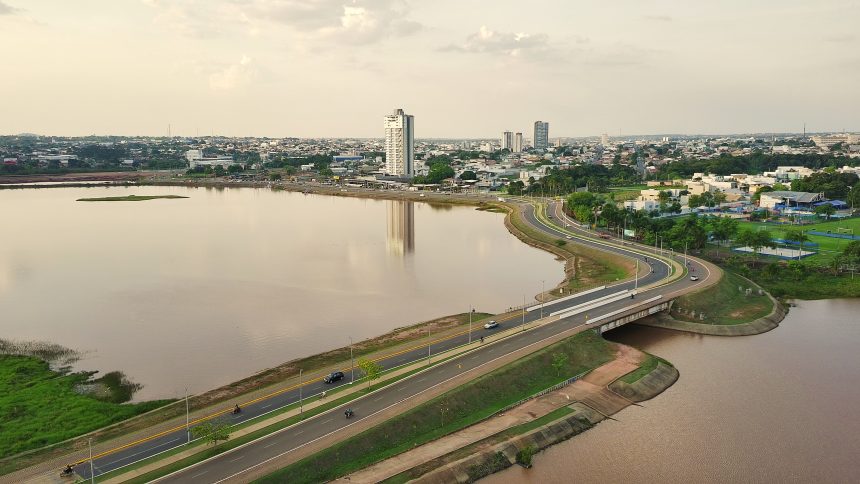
<point x="463" y="406"/>
<point x="723" y="303"/>
<point x="39" y="406"/>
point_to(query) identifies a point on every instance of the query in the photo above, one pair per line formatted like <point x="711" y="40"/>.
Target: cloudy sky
<point x="464" y="68"/>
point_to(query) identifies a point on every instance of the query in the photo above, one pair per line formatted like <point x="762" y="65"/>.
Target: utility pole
<point x="685" y="254"/>
<point x="351" y="363"/>
<point x="301" y="384"/>
<point x="636" y="281"/>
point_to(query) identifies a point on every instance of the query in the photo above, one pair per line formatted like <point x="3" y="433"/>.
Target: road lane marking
<point x="237" y="458"/>
<point x="199" y="474"/>
<point x="269" y="445"/>
<point x="326" y="421"/>
<point x="266" y="406"/>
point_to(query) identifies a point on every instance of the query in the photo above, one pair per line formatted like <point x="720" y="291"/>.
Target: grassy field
<point x="39" y="406"/>
<point x="129" y="198"/>
<point x="828" y="247"/>
<point x="463" y="406"/>
<point x="723" y="303"/>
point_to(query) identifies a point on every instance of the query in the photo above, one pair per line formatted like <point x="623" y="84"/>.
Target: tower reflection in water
<point x="401" y="227"/>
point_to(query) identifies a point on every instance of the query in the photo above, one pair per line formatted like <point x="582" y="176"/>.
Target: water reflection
<point x="401" y="227"/>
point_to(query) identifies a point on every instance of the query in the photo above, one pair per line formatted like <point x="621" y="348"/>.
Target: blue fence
<point x="835" y="236"/>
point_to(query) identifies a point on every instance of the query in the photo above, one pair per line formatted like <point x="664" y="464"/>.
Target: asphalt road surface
<point x="244" y="458"/>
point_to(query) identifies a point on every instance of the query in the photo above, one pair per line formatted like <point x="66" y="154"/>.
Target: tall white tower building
<point x="518" y="143"/>
<point x="541" y="141"/>
<point x="507" y="140"/>
<point x="399" y="144"/>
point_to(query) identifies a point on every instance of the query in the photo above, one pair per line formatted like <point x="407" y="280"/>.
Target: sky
<point x="463" y="68"/>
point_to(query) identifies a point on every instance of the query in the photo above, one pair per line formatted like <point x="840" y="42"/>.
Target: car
<point x="333" y="377"/>
<point x="694" y="278"/>
<point x="569" y="237"/>
<point x="491" y="325"/>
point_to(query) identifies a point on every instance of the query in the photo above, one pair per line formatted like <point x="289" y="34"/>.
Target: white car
<point x="694" y="278"/>
<point x="491" y="325"/>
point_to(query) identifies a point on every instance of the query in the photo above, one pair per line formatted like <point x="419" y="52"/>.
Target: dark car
<point x="333" y="377"/>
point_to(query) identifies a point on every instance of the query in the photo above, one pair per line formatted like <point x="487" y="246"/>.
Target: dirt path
<point x="591" y="390"/>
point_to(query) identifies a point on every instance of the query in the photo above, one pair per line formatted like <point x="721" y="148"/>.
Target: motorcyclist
<point x="68" y="470"/>
<point x="236" y="409"/>
<point x="348" y="412"/>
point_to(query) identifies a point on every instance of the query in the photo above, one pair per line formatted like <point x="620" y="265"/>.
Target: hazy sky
<point x="464" y="68"/>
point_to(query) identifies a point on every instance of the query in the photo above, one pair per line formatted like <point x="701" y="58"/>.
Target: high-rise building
<point x="604" y="139"/>
<point x="399" y="144"/>
<point x="518" y="143"/>
<point x="507" y="140"/>
<point x="541" y="140"/>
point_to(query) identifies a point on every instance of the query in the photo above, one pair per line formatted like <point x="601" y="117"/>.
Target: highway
<point x="237" y="461"/>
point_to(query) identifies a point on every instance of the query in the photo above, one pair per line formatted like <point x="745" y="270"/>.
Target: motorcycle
<point x="237" y="410"/>
<point x="349" y="413"/>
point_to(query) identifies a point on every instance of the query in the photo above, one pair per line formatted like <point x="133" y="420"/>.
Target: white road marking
<point x="237" y="458"/>
<point x="266" y="406"/>
<point x="268" y="445"/>
<point x="198" y="475"/>
<point x="326" y="421"/>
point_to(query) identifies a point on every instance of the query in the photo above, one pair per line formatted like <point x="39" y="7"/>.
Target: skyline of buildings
<point x="399" y="144"/>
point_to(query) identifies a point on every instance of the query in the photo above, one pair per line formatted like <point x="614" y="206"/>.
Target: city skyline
<point x="326" y="69"/>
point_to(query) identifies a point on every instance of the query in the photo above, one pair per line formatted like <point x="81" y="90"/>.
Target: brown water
<point x="203" y="291"/>
<point x="776" y="407"/>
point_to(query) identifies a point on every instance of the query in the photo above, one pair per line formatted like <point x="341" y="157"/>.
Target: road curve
<point x="234" y="463"/>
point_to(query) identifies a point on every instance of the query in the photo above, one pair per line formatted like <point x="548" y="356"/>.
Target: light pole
<point x="187" y="430"/>
<point x="524" y="312"/>
<point x="351" y="363"/>
<point x="428" y="346"/>
<point x="685" y="254"/>
<point x="542" y="295"/>
<point x="471" y="310"/>
<point x="301" y="384"/>
<point x="92" y="472"/>
<point x="636" y="281"/>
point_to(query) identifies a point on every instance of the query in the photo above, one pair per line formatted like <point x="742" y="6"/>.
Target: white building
<point x="518" y="143"/>
<point x="195" y="158"/>
<point x="541" y="140"/>
<point x="507" y="140"/>
<point x="399" y="144"/>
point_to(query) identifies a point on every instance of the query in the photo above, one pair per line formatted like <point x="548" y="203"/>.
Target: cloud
<point x="659" y="18"/>
<point x="7" y="10"/>
<point x="233" y="76"/>
<point x="487" y="41"/>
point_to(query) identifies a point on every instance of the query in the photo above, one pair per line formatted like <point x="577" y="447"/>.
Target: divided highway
<point x="574" y="310"/>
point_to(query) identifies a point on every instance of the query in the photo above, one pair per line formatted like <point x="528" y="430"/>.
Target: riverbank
<point x="130" y="198"/>
<point x="517" y="434"/>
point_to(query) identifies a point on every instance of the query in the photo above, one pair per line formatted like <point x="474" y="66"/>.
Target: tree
<point x="796" y="235"/>
<point x="853" y="198"/>
<point x="234" y="168"/>
<point x="468" y="175"/>
<point x="559" y="361"/>
<point x="825" y="209"/>
<point x="724" y="228"/>
<point x="212" y="432"/>
<point x="755" y="239"/>
<point x="372" y="370"/>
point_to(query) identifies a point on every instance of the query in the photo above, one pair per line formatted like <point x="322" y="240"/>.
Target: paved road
<point x="333" y="420"/>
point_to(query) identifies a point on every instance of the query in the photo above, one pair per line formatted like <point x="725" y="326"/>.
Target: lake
<point x="203" y="291"/>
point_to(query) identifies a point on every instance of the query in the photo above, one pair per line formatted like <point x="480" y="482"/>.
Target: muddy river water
<point x="777" y="407"/>
<point x="203" y="291"/>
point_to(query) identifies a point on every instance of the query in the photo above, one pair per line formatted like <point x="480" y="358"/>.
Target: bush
<point x="524" y="457"/>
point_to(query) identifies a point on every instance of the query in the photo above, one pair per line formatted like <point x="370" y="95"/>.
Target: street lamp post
<point x="524" y="312"/>
<point x="636" y="281"/>
<point x="471" y="310"/>
<point x="92" y="472"/>
<point x="428" y="346"/>
<point x="301" y="384"/>
<point x="351" y="363"/>
<point x="542" y="295"/>
<point x="187" y="430"/>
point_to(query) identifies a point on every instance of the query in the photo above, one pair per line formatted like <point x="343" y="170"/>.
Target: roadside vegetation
<point x="451" y="411"/>
<point x="40" y="406"/>
<point x="727" y="302"/>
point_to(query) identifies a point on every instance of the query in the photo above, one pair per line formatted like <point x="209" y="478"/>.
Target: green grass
<point x="129" y="198"/>
<point x="724" y="303"/>
<point x="464" y="406"/>
<point x="39" y="406"/>
<point x="647" y="366"/>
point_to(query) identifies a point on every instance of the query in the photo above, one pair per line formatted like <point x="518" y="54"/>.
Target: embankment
<point x="505" y="454"/>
